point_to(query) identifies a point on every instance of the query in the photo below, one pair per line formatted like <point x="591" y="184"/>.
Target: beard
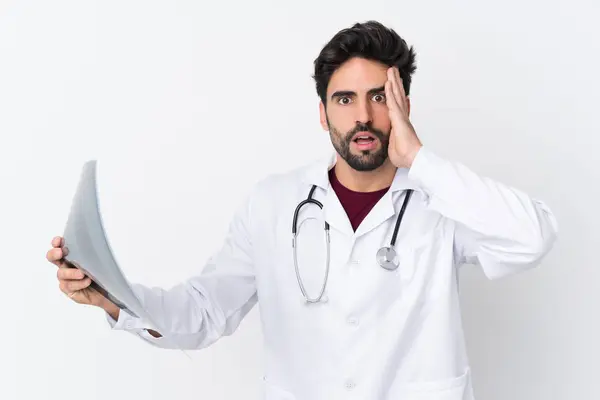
<point x="367" y="160"/>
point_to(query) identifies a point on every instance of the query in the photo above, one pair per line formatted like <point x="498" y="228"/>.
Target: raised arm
<point x="499" y="228"/>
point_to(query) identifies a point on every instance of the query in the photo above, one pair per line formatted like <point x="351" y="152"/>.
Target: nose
<point x="363" y="113"/>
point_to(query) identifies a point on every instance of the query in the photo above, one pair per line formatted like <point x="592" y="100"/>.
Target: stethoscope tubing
<point x="310" y="200"/>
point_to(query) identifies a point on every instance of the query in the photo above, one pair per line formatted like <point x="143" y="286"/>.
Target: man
<point x="349" y="323"/>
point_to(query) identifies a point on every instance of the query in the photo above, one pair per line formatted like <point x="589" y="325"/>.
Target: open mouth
<point x="364" y="139"/>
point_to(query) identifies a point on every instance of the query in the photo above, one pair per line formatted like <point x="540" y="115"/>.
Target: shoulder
<point x="272" y="199"/>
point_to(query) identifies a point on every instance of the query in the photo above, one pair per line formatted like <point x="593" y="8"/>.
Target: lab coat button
<point x="350" y="384"/>
<point x="353" y="321"/>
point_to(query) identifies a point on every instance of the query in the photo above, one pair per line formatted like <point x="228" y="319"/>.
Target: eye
<point x="341" y="100"/>
<point x="379" y="98"/>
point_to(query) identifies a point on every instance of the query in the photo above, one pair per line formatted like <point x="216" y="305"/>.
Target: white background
<point x="186" y="104"/>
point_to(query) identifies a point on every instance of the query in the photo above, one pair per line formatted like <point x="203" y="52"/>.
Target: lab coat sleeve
<point x="202" y="309"/>
<point x="498" y="228"/>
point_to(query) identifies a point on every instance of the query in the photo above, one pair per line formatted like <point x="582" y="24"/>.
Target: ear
<point x="323" y="116"/>
<point x="408" y="105"/>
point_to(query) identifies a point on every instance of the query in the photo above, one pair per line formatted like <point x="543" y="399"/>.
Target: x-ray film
<point x="88" y="248"/>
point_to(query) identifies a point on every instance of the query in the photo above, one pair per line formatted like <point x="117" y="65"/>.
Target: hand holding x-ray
<point x="72" y="281"/>
<point x="88" y="271"/>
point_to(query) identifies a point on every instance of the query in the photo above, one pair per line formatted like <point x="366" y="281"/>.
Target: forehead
<point x="359" y="75"/>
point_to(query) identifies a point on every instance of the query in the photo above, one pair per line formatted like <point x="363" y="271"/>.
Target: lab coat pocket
<point x="457" y="388"/>
<point x="411" y="254"/>
<point x="272" y="392"/>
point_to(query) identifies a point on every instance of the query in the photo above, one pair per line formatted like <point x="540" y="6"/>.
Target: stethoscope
<point x="386" y="256"/>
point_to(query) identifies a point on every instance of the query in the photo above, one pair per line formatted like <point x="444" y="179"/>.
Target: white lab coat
<point x="379" y="334"/>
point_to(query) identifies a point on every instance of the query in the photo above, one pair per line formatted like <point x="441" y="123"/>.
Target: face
<point x="356" y="115"/>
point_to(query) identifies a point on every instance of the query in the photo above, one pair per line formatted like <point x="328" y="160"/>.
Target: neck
<point x="365" y="181"/>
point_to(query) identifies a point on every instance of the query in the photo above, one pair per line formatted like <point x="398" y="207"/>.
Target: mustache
<point x="360" y="127"/>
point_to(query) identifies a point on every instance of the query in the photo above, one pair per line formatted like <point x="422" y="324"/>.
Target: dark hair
<point x="369" y="40"/>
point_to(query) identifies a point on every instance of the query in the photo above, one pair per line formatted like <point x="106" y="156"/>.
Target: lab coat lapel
<point x="380" y="212"/>
<point x="335" y="214"/>
<point x="386" y="207"/>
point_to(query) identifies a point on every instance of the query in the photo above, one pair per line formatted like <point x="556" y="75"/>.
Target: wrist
<point x="108" y="306"/>
<point x="407" y="157"/>
<point x="412" y="154"/>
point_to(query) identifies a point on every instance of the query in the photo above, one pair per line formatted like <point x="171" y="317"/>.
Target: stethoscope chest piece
<point x="387" y="258"/>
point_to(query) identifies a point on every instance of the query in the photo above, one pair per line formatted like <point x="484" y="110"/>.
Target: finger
<point x="55" y="256"/>
<point x="70" y="274"/>
<point x="403" y="94"/>
<point x="400" y="84"/>
<point x="390" y="97"/>
<point x="396" y="89"/>
<point x="73" y="286"/>
<point x="57" y="241"/>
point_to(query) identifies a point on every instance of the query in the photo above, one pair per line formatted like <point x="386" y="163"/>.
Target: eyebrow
<point x="341" y="93"/>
